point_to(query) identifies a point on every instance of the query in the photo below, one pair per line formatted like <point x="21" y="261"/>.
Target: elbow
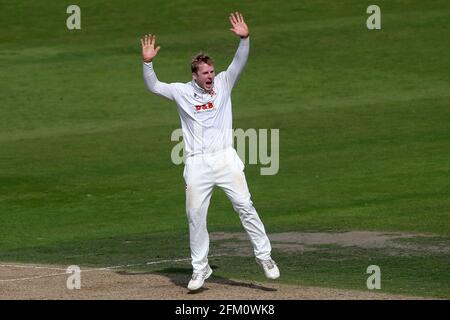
<point x="150" y="85"/>
<point x="154" y="88"/>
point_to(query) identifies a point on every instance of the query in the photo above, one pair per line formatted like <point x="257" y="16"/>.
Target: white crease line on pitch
<point x="29" y="267"/>
<point x="34" y="278"/>
<point x="87" y="270"/>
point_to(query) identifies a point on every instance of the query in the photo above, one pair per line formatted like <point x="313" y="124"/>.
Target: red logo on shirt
<point x="207" y="106"/>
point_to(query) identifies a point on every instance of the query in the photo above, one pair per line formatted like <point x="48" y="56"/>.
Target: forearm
<point x="239" y="60"/>
<point x="150" y="77"/>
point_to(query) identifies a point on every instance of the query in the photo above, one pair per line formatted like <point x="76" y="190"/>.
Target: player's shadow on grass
<point x="180" y="277"/>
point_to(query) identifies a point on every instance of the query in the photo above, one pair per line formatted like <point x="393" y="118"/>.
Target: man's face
<point x="204" y="76"/>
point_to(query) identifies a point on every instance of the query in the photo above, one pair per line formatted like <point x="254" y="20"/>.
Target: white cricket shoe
<point x="270" y="268"/>
<point x="198" y="278"/>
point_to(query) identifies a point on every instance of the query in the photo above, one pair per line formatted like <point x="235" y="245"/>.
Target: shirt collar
<point x="201" y="90"/>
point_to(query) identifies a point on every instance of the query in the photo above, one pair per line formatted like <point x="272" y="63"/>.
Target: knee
<point x="194" y="215"/>
<point x="197" y="224"/>
<point x="243" y="206"/>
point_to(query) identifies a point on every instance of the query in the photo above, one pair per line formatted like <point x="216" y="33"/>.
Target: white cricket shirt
<point x="206" y="119"/>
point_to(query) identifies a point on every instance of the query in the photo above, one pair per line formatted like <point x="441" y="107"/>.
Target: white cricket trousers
<point x="225" y="169"/>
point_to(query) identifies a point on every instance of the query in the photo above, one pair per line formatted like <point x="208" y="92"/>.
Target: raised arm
<point x="240" y="28"/>
<point x="152" y="83"/>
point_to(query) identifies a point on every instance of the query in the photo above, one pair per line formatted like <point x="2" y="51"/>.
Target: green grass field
<point x="85" y="171"/>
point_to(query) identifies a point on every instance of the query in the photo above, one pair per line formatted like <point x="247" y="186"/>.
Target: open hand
<point x="239" y="26"/>
<point x="148" y="47"/>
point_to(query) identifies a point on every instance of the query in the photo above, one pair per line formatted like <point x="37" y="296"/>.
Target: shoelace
<point x="268" y="263"/>
<point x="196" y="275"/>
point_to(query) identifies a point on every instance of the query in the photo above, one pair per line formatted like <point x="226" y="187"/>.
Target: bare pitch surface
<point x="167" y="278"/>
<point x="42" y="282"/>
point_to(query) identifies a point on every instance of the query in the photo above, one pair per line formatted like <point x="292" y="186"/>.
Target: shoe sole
<point x="273" y="278"/>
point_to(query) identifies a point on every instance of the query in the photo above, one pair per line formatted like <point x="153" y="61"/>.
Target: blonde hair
<point x="198" y="59"/>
